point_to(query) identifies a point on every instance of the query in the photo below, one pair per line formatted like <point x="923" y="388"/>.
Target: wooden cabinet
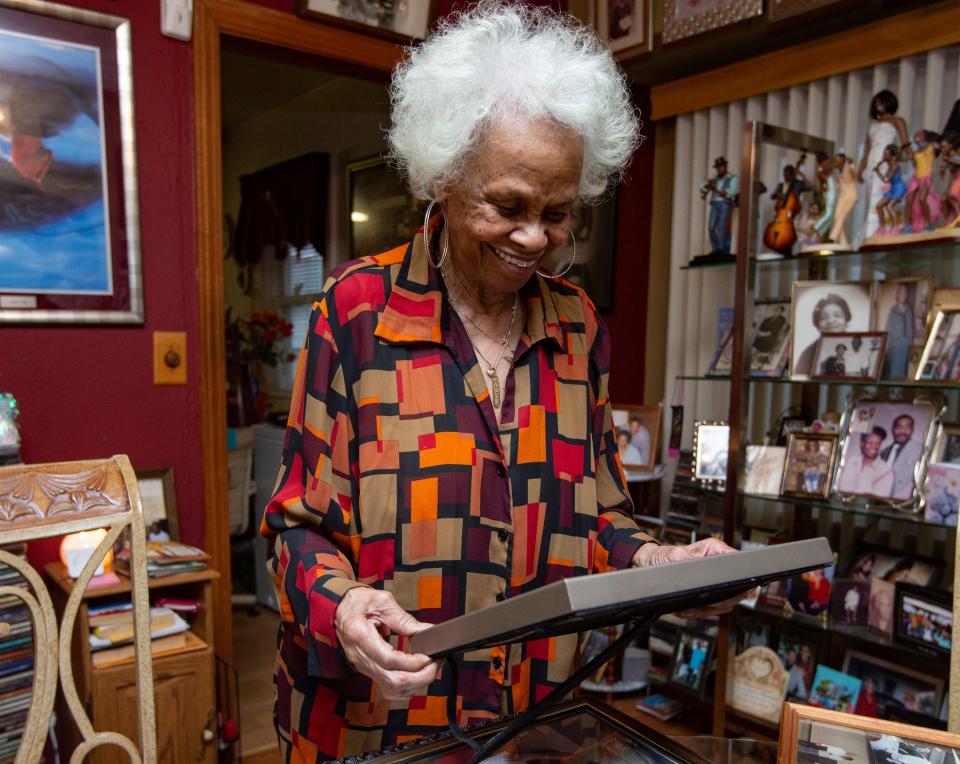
<point x="184" y="682"/>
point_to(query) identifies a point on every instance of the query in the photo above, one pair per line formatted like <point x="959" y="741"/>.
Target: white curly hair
<point x="503" y="61"/>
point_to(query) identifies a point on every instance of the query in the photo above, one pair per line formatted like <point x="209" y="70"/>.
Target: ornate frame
<point x="679" y="23"/>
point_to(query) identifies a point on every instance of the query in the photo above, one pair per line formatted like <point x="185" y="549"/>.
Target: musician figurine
<point x="723" y="189"/>
<point x="826" y="191"/>
<point x="781" y="234"/>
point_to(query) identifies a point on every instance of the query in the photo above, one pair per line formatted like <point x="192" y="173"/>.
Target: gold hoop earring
<point x="573" y="259"/>
<point x="426" y="235"/>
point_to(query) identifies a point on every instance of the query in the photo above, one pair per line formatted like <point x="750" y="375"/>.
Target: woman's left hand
<point x="653" y="554"/>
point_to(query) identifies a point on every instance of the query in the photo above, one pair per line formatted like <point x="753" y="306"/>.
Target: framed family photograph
<point x="941" y="494"/>
<point x="809" y="593"/>
<point x="809" y="465"/>
<point x="71" y="247"/>
<point x="692" y="658"/>
<point x="836" y="307"/>
<point x="637" y="429"/>
<point x="809" y="735"/>
<point x="770" y="347"/>
<point x="903" y="314"/>
<point x="626" y="25"/>
<point x="880" y="610"/>
<point x="834" y="690"/>
<point x="711" y="446"/>
<point x="394" y="20"/>
<point x="946" y="448"/>
<point x="885" y="447"/>
<point x="800" y="650"/>
<point x="383" y="214"/>
<point x="923" y="619"/>
<point x="941" y="353"/>
<point x="869" y="562"/>
<point x="854" y="356"/>
<point x="889" y="686"/>
<point x="685" y="18"/>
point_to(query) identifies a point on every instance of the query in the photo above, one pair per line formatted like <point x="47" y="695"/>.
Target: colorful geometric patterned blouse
<point x="396" y="476"/>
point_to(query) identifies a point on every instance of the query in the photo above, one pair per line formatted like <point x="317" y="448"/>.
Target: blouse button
<point x="501" y="470"/>
<point x="503" y="535"/>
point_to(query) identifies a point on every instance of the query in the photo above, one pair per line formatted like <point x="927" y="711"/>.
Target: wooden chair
<point x="43" y="500"/>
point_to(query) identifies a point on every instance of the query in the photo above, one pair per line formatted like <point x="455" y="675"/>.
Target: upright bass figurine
<point x="781" y="234"/>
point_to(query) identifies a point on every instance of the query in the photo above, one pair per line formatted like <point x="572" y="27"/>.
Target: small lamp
<point x="77" y="548"/>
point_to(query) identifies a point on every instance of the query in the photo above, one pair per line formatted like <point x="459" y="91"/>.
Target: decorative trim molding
<point x="905" y="34"/>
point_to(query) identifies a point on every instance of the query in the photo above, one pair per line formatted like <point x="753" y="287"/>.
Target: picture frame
<point x="626" y="25"/>
<point x="923" y="619"/>
<point x="868" y="561"/>
<point x="770" y="344"/>
<point x="594" y="227"/>
<point x="800" y="650"/>
<point x="763" y="470"/>
<point x="809" y="593"/>
<point x="849" y="601"/>
<point x="381" y="211"/>
<point x="880" y="609"/>
<point x="639" y="426"/>
<point x="893" y="685"/>
<point x="692" y="660"/>
<point x="790" y="423"/>
<point x="902" y="310"/>
<point x="721" y="363"/>
<point x="753" y="630"/>
<point x="944" y="298"/>
<point x="825" y="306"/>
<point x="946" y="448"/>
<point x="875" y="430"/>
<point x="686" y="18"/>
<point x="806" y="732"/>
<point x="940" y="360"/>
<point x="158" y="501"/>
<point x="849" y="357"/>
<point x="808" y="465"/>
<point x="711" y="446"/>
<point x="787" y="10"/>
<point x="941" y="493"/>
<point x="835" y="690"/>
<point x="757" y="684"/>
<point x="78" y="181"/>
<point x="373" y="17"/>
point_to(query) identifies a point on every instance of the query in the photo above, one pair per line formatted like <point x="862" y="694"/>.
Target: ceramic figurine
<point x="950" y="164"/>
<point x="921" y="206"/>
<point x="827" y="191"/>
<point x="806" y="224"/>
<point x="885" y="128"/>
<point x="848" y="192"/>
<point x="889" y="205"/>
<point x="723" y="189"/>
<point x="781" y="234"/>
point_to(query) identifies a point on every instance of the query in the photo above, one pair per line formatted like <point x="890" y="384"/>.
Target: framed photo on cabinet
<point x="626" y="25"/>
<point x="854" y="356"/>
<point x="923" y="619"/>
<point x="711" y="448"/>
<point x="70" y="221"/>
<point x="826" y="306"/>
<point x="400" y="21"/>
<point x="637" y="430"/>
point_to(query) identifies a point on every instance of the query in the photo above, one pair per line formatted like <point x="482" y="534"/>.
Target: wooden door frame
<point x="245" y="20"/>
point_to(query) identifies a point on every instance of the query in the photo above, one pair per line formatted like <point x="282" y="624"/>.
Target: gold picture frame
<point x="791" y="473"/>
<point x="801" y="720"/>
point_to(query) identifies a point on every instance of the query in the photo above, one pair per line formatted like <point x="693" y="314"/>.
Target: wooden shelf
<point x="57" y="572"/>
<point x="193" y="643"/>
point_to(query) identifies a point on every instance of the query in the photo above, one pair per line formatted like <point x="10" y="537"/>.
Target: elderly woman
<point x="450" y="441"/>
<point x="830" y="314"/>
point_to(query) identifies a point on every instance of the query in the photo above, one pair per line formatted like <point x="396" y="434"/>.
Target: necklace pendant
<point x="496" y="392"/>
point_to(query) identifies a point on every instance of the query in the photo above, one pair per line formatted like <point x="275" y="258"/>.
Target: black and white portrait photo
<point x="885" y="442"/>
<point x="854" y="356"/>
<point x="771" y="336"/>
<point x="826" y="306"/>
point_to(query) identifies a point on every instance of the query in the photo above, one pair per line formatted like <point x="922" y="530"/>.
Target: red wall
<point x="88" y="392"/>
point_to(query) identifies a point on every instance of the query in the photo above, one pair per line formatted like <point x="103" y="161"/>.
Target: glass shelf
<point x="880" y="256"/>
<point x="878" y="512"/>
<point x="909" y="383"/>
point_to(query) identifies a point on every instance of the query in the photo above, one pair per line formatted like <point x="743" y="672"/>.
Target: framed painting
<point x="625" y="25"/>
<point x="685" y="18"/>
<point x="386" y="18"/>
<point x="383" y="213"/>
<point x="69" y="232"/>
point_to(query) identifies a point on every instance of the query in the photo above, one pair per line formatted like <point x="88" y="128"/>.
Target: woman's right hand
<point x="363" y="619"/>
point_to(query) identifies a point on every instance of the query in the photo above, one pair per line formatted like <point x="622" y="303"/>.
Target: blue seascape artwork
<point x="54" y="228"/>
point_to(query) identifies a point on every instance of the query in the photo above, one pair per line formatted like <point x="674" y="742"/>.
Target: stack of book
<point x="111" y="632"/>
<point x="16" y="661"/>
<point x="167" y="558"/>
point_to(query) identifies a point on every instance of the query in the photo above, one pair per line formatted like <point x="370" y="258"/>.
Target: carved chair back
<point x="43" y="500"/>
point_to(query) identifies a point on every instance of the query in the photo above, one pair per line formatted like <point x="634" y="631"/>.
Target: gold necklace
<point x="491" y="367"/>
